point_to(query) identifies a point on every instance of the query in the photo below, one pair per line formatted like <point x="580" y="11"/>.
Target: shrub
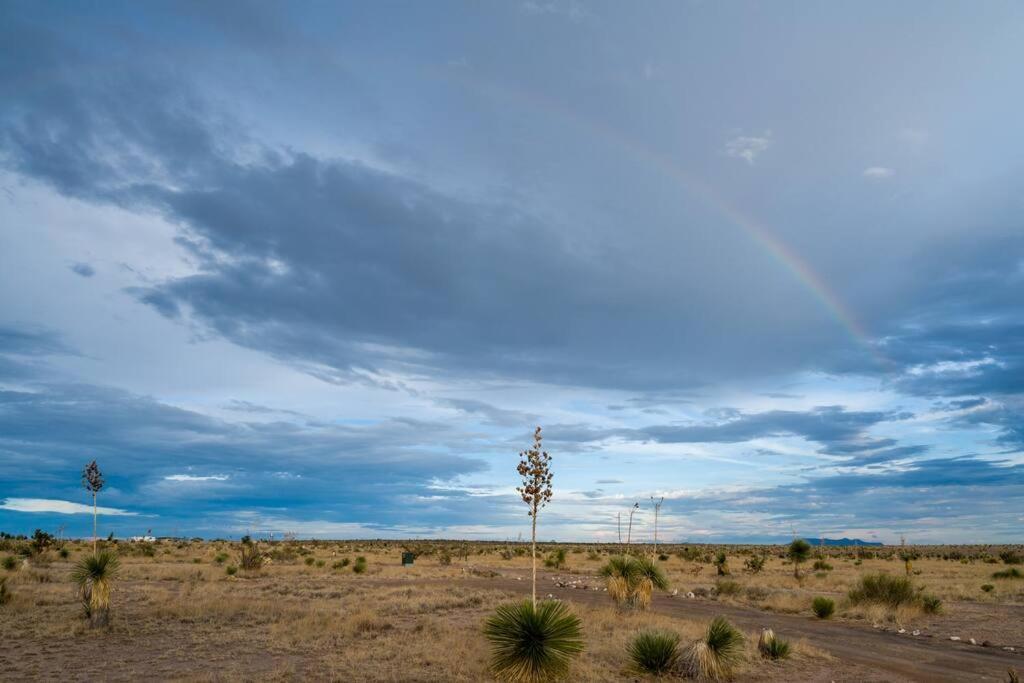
<point x="722" y="563"/>
<point x="717" y="654"/>
<point x="220" y="558"/>
<point x="772" y="647"/>
<point x="663" y="557"/>
<point x="727" y="587"/>
<point x="445" y="558"/>
<point x="10" y="563"/>
<point x="309" y="561"/>
<point x="931" y="604"/>
<point x="798" y="551"/>
<point x="320" y="563"/>
<point x="988" y="587"/>
<point x="556" y="559"/>
<point x="631" y="580"/>
<point x="250" y="558"/>
<point x="883" y="589"/>
<point x="1011" y="557"/>
<point x="94" y="575"/>
<point x="823" y="607"/>
<point x="655" y="652"/>
<point x="754" y="564"/>
<point x="822" y="566"/>
<point x="231" y="570"/>
<point x="533" y="644"/>
<point x="359" y="567"/>
<point x="63" y="552"/>
<point x="341" y="564"/>
<point x="1011" y="573"/>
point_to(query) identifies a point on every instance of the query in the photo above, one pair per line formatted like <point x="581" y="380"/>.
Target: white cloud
<point x="62" y="507"/>
<point x="878" y="172"/>
<point x="748" y="147"/>
<point x="192" y="477"/>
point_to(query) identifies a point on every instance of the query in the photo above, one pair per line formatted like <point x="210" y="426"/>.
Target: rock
<point x="916" y="633"/>
<point x="902" y="630"/>
<point x="954" y="638"/>
<point x="1010" y="649"/>
<point x="690" y="594"/>
<point x="986" y="643"/>
<point x="972" y="641"/>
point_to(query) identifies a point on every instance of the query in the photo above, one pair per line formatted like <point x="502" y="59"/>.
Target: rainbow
<point x="782" y="254"/>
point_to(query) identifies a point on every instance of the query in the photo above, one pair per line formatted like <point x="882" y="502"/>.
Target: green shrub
<point x="320" y="563"/>
<point x="798" y="551"/>
<point x="717" y="654"/>
<point x="823" y="607"/>
<point x="94" y="575"/>
<point x="655" y="652"/>
<point x="1011" y="557"/>
<point x="220" y="558"/>
<point x="10" y="563"/>
<point x="663" y="557"/>
<point x="309" y="561"/>
<point x="931" y="604"/>
<point x="533" y="645"/>
<point x="341" y="564"/>
<point x="64" y="553"/>
<point x="755" y="564"/>
<point x="556" y="559"/>
<point x="231" y="570"/>
<point x="1011" y="573"/>
<point x="822" y="566"/>
<point x="988" y="587"/>
<point x="359" y="567"/>
<point x="883" y="589"/>
<point x="727" y="587"/>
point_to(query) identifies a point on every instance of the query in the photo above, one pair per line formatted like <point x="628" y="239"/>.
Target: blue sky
<point x="322" y="271"/>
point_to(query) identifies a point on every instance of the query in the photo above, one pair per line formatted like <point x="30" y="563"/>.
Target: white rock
<point x="954" y="637"/>
<point x="916" y="633"/>
<point x="972" y="641"/>
<point x="902" y="630"/>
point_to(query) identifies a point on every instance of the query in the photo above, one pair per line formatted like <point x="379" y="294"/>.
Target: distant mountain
<point x="842" y="541"/>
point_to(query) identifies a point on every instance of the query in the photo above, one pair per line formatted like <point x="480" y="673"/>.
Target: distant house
<point x="142" y="539"/>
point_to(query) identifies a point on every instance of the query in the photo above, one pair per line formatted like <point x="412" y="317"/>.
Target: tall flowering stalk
<point x="535" y="469"/>
<point x="92" y="480"/>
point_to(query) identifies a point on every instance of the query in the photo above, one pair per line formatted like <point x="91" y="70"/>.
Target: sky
<point x="321" y="269"/>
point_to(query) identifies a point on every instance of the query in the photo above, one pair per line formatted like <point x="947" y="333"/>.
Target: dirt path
<point x="889" y="655"/>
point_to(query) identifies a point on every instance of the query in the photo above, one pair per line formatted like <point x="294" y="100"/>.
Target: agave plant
<point x="655" y="652"/>
<point x="533" y="644"/>
<point x="716" y="655"/>
<point x="94" y="575"/>
<point x="631" y="580"/>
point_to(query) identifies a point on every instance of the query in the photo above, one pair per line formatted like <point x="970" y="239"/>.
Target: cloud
<point x="62" y="507"/>
<point x="192" y="477"/>
<point x="83" y="269"/>
<point x="748" y="147"/>
<point x="878" y="172"/>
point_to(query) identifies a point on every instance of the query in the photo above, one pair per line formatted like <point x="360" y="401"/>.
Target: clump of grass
<point x="655" y="652"/>
<point x="556" y="559"/>
<point x="359" y="567"/>
<point x="5" y="592"/>
<point x="663" y="557"/>
<point x="231" y="570"/>
<point x="717" y="655"/>
<point x="772" y="647"/>
<point x="883" y="589"/>
<point x="341" y="564"/>
<point x="10" y="563"/>
<point x="64" y="553"/>
<point x="320" y="564"/>
<point x="931" y="604"/>
<point x="823" y="607"/>
<point x="987" y="587"/>
<point x="822" y="566"/>
<point x="309" y="561"/>
<point x="533" y="644"/>
<point x="220" y="558"/>
<point x="1011" y="573"/>
<point x="631" y="580"/>
<point x="94" y="575"/>
<point x="1011" y="557"/>
<point x="727" y="587"/>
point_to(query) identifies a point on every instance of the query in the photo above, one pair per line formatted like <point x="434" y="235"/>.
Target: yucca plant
<point x="533" y="644"/>
<point x="655" y="652"/>
<point x="631" y="580"/>
<point x="250" y="558"/>
<point x="92" y="480"/>
<point x="716" y="655"/>
<point x="94" y="575"/>
<point x="798" y="552"/>
<point x="771" y="646"/>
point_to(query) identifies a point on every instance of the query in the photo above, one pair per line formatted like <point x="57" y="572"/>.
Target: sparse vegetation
<point x="631" y="580"/>
<point x="883" y="589"/>
<point x="530" y="643"/>
<point x="823" y="607"/>
<point x="655" y="652"/>
<point x="94" y="576"/>
<point x="771" y="646"/>
<point x="5" y="592"/>
<point x="1011" y="573"/>
<point x="717" y="655"/>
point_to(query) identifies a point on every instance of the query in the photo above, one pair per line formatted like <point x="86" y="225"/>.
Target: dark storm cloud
<point x="83" y="269"/>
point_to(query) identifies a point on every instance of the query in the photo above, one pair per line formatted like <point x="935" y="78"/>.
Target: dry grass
<point x="174" y="618"/>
